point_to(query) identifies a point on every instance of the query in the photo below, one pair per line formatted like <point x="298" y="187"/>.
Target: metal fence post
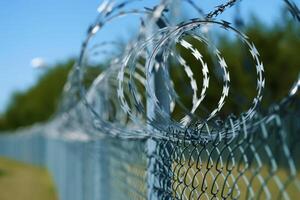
<point x="159" y="168"/>
<point x="102" y="176"/>
<point x="158" y="182"/>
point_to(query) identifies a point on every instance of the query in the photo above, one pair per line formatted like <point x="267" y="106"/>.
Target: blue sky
<point x="54" y="30"/>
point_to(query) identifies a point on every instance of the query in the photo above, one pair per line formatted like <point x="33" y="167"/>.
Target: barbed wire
<point x="132" y="71"/>
<point x="124" y="124"/>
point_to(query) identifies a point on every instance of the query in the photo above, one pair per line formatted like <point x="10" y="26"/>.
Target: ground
<point x="19" y="181"/>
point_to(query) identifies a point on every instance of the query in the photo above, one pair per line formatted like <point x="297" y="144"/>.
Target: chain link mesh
<point x="104" y="144"/>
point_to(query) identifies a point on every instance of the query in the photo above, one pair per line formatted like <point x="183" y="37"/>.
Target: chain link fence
<point x="109" y="140"/>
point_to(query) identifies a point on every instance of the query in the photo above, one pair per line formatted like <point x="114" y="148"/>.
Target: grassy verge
<point x="19" y="181"/>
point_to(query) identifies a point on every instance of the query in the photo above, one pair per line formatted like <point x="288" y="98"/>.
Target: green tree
<point x="39" y="102"/>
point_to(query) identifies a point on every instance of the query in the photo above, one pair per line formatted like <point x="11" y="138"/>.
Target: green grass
<point x="19" y="181"/>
